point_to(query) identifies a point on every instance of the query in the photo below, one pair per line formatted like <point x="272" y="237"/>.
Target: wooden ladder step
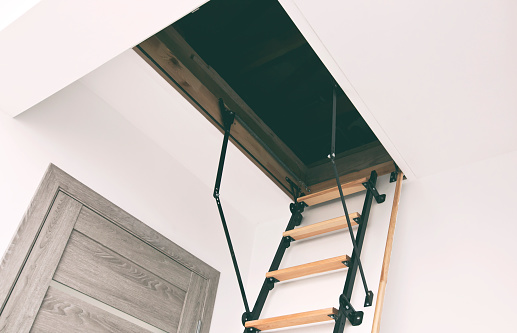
<point x="333" y="192"/>
<point x="296" y="319"/>
<point x="322" y="227"/>
<point x="320" y="266"/>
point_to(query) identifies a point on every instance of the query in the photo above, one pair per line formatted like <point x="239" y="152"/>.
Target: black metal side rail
<point x="269" y="283"/>
<point x="346" y="310"/>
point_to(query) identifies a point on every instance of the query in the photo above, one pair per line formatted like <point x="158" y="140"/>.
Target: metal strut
<point x="332" y="156"/>
<point x="228" y="117"/>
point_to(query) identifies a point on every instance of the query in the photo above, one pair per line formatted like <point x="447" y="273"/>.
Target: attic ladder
<point x="250" y="318"/>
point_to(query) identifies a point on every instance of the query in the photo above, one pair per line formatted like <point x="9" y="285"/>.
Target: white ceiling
<point x="56" y="42"/>
<point x="435" y="81"/>
<point x="10" y="10"/>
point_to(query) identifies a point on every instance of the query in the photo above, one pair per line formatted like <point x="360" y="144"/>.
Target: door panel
<point x="98" y="272"/>
<point x="122" y="242"/>
<point x="62" y="313"/>
<point x="28" y="293"/>
<point x="194" y="304"/>
<point x="78" y="263"/>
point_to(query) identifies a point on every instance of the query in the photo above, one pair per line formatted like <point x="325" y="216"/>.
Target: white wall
<point x="133" y="88"/>
<point x="81" y="134"/>
<point x="72" y="38"/>
<point x="322" y="291"/>
<point x="453" y="267"/>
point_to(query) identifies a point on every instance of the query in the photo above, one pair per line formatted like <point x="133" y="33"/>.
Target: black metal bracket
<point x="288" y="240"/>
<point x="347" y="310"/>
<point x="298" y="206"/>
<point x="380" y="198"/>
<point x="394" y="174"/>
<point x="251" y="330"/>
<point x="368" y="300"/>
<point x="227" y="115"/>
<point x="245" y="317"/>
<point x="271" y="282"/>
<point x="295" y="189"/>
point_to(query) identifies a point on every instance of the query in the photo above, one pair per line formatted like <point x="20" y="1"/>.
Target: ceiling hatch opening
<point x="251" y="54"/>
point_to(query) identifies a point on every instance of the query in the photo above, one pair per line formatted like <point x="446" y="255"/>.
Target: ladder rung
<point x="320" y="266"/>
<point x="321" y="227"/>
<point x="333" y="192"/>
<point x="293" y="319"/>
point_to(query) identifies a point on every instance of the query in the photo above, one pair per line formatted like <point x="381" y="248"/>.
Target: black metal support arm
<point x="369" y="294"/>
<point x="228" y="117"/>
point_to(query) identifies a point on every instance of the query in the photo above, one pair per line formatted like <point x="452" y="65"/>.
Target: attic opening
<point x="251" y="54"/>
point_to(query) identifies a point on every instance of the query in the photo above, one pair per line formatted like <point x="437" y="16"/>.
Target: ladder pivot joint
<point x="287" y="241"/>
<point x="246" y="316"/>
<point x="355" y="317"/>
<point x="297" y="207"/>
<point x="227" y="115"/>
<point x="271" y="282"/>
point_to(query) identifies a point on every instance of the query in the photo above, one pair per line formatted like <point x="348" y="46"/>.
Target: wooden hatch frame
<point x="177" y="62"/>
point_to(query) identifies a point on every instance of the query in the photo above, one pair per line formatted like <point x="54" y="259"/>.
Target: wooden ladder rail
<point x="387" y="256"/>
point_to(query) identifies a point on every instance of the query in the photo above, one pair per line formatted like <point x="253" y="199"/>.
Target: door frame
<point x="56" y="180"/>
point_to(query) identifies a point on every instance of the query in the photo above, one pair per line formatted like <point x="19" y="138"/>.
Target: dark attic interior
<point x="251" y="54"/>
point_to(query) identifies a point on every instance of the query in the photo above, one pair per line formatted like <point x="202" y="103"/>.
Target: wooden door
<point x="80" y="264"/>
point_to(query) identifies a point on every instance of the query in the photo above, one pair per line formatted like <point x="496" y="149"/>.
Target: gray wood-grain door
<point x="80" y="264"/>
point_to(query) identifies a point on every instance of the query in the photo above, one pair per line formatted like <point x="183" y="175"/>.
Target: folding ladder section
<point x="250" y="318"/>
<point x="292" y="234"/>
